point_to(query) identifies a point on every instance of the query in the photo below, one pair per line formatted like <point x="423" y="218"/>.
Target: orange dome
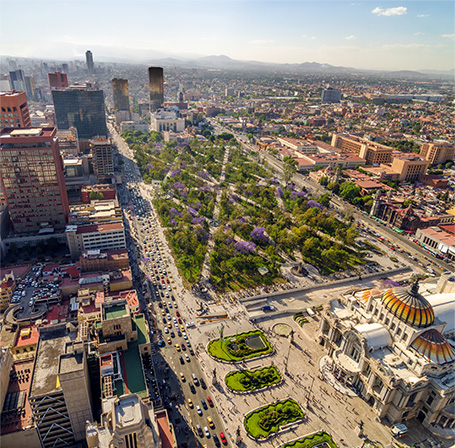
<point x="366" y="294"/>
<point x="433" y="346"/>
<point x="409" y="306"/>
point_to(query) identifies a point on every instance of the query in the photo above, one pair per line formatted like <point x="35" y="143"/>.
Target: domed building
<point x="396" y="349"/>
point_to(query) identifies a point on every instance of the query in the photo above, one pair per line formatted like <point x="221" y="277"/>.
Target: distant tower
<point x="89" y="61"/>
<point x="121" y="94"/>
<point x="156" y="88"/>
<point x="180" y="97"/>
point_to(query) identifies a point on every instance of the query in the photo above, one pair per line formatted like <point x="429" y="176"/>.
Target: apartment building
<point x="102" y="159"/>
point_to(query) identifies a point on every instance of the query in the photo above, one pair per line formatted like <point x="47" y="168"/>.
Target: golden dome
<point x="433" y="346"/>
<point x="409" y="306"/>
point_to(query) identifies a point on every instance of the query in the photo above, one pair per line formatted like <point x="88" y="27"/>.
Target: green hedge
<point x="267" y="420"/>
<point x="250" y="380"/>
<point x="311" y="441"/>
<point x="236" y="350"/>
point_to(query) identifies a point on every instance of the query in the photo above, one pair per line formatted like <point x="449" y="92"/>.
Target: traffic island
<point x="247" y="381"/>
<point x="240" y="347"/>
<point x="268" y="420"/>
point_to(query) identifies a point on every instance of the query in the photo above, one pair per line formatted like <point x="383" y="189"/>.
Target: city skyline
<point x="367" y="35"/>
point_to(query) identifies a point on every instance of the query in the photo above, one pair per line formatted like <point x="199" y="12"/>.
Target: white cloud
<point x="313" y="38"/>
<point x="448" y="36"/>
<point x="398" y="11"/>
<point x="305" y="36"/>
<point x="261" y="42"/>
<point x="351" y="37"/>
<point x="421" y="16"/>
<point x="419" y="33"/>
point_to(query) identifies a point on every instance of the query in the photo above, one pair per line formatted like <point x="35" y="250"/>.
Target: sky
<point x="387" y="35"/>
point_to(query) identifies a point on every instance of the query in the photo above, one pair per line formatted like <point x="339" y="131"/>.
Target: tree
<point x="349" y="191"/>
<point x="96" y="195"/>
<point x="289" y="169"/>
<point x="324" y="181"/>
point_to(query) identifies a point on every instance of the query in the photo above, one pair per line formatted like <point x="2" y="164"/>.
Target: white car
<point x="199" y="411"/>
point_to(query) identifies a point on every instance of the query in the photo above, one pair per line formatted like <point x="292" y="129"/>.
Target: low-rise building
<point x="308" y="161"/>
<point x="98" y="191"/>
<point x="438" y="240"/>
<point x="409" y="166"/>
<point x="108" y="260"/>
<point x="98" y="211"/>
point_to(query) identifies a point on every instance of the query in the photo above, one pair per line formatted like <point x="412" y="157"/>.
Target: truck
<point x="268" y="308"/>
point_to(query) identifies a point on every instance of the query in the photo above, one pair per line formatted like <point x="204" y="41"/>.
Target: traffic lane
<point x="172" y="356"/>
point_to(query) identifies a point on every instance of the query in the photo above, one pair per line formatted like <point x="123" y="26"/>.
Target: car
<point x="172" y="334"/>
<point x="398" y="430"/>
<point x="187" y="358"/>
<point x="183" y="346"/>
<point x="164" y="320"/>
<point x="166" y="330"/>
<point x="199" y="410"/>
<point x="167" y="280"/>
<point x="206" y="432"/>
<point x="182" y="377"/>
<point x="192" y="388"/>
<point x="185" y="336"/>
<point x="210" y="402"/>
<point x="177" y="347"/>
<point x="160" y="304"/>
<point x="210" y="422"/>
<point x="190" y="403"/>
<point x="223" y="438"/>
<point x="181" y="360"/>
<point x="169" y="340"/>
<point x="179" y="333"/>
<point x="161" y="343"/>
<point x="179" y="321"/>
<point x="199" y="431"/>
<point x="196" y="381"/>
<point x="191" y="352"/>
<point x="204" y="404"/>
<point x="216" y="440"/>
<point x="177" y="313"/>
<point x="169" y="304"/>
<point x="182" y="328"/>
<point x="203" y="385"/>
<point x="169" y="325"/>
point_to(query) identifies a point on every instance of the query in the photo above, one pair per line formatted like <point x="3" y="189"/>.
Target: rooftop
<point x="51" y="345"/>
<point x="114" y="312"/>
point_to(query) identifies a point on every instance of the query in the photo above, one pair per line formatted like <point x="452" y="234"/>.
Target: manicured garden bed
<point x="251" y="380"/>
<point x="311" y="440"/>
<point x="267" y="420"/>
<point x="238" y="347"/>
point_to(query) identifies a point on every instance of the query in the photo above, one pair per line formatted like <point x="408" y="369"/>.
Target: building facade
<point x="82" y="108"/>
<point x="167" y="120"/>
<point x="121" y="94"/>
<point x="391" y="346"/>
<point x="410" y="167"/>
<point x="102" y="158"/>
<point x="331" y="95"/>
<point x="438" y="152"/>
<point x="57" y="80"/>
<point x="156" y="88"/>
<point x="89" y="62"/>
<point x="14" y="107"/>
<point x="32" y="179"/>
<point x="109" y="236"/>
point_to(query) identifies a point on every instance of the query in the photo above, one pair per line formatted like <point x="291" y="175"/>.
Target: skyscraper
<point x="331" y="95"/>
<point x="17" y="80"/>
<point x="156" y="88"/>
<point x="57" y="80"/>
<point x="121" y="94"/>
<point x="89" y="61"/>
<point x="32" y="179"/>
<point x="14" y="107"/>
<point x="82" y="108"/>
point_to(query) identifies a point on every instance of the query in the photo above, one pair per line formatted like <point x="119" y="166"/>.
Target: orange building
<point x="439" y="152"/>
<point x="14" y="107"/>
<point x="57" y="80"/>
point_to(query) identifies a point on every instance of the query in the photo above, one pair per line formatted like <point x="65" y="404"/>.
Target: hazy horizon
<point x="375" y="35"/>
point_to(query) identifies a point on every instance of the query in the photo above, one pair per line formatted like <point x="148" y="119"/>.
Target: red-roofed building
<point x="108" y="260"/>
<point x="25" y="345"/>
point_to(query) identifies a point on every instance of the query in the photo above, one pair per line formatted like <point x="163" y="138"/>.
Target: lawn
<point x="267" y="420"/>
<point x="240" y="346"/>
<point x="251" y="380"/>
<point x="311" y="440"/>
